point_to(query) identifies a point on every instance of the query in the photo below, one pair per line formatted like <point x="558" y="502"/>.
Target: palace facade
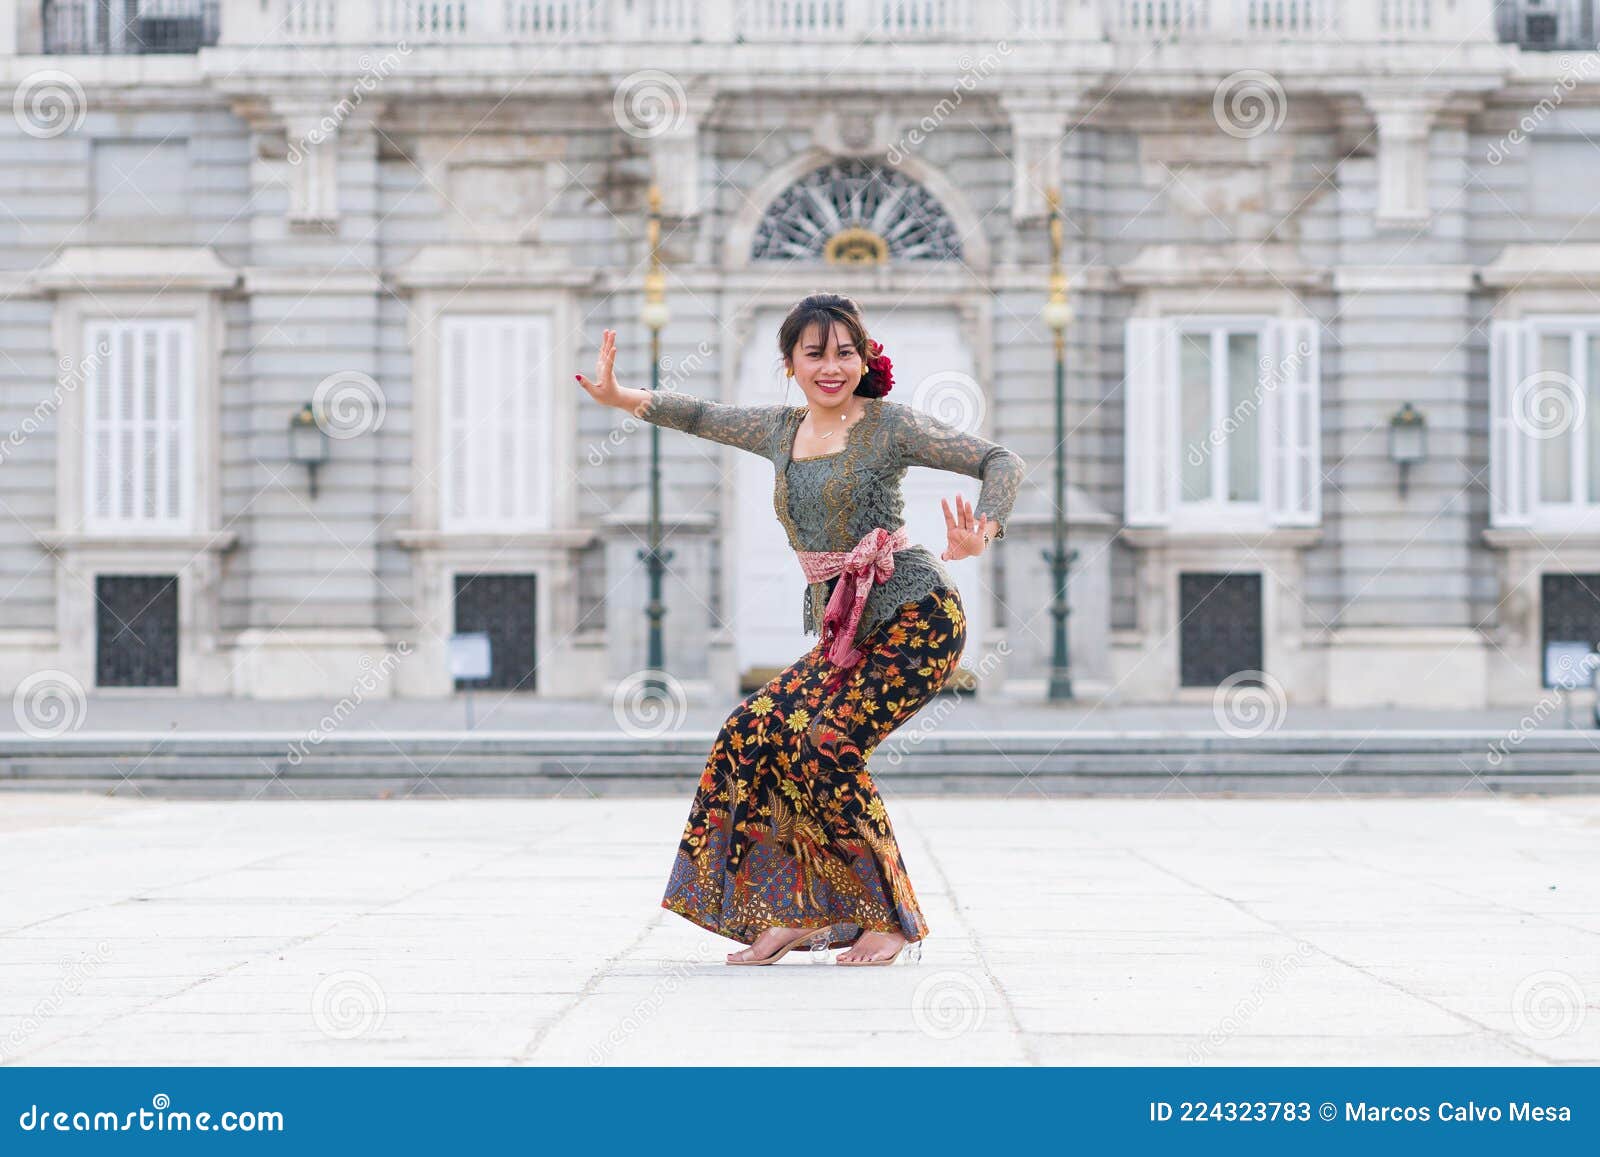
<point x="291" y="296"/>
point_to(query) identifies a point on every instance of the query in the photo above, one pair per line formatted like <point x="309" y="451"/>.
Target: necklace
<point x="843" y="421"/>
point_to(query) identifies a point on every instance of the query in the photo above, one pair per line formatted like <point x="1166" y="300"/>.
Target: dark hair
<point x="826" y="309"/>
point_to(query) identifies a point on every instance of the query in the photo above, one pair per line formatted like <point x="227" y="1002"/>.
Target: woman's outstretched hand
<point x="604" y="388"/>
<point x="966" y="535"/>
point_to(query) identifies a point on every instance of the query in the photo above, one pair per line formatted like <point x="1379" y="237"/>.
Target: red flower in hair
<point x="880" y="364"/>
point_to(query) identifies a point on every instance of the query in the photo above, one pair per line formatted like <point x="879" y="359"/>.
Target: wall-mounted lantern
<point x="308" y="442"/>
<point x="1408" y="441"/>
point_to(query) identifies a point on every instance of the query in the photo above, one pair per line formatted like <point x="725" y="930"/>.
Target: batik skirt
<point x="787" y="828"/>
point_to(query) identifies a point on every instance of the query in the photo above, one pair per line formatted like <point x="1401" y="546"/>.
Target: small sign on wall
<point x="469" y="655"/>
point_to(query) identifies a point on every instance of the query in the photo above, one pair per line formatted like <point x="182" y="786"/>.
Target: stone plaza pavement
<point x="1064" y="931"/>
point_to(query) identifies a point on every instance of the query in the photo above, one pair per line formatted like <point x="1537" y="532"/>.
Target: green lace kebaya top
<point x="828" y="501"/>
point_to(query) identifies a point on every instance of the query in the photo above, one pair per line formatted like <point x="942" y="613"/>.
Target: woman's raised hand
<point x="967" y="536"/>
<point x="604" y="388"/>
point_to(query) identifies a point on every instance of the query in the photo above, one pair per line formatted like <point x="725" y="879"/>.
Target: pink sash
<point x="870" y="561"/>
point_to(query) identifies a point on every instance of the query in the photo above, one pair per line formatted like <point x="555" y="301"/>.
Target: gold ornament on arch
<point x="856" y="246"/>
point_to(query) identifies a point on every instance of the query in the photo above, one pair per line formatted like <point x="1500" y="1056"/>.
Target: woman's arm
<point x="747" y="427"/>
<point x="925" y="440"/>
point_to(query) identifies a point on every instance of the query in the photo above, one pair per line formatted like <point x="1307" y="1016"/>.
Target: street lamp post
<point x="655" y="315"/>
<point x="1058" y="316"/>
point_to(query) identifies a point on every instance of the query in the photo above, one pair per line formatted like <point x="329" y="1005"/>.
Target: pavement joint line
<point x="1543" y="917"/>
<point x="526" y="1054"/>
<point x="1029" y="1054"/>
<point x="288" y="945"/>
<point x="1500" y="1036"/>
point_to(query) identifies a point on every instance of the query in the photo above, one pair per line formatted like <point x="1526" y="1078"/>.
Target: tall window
<point x="497" y="412"/>
<point x="1222" y="422"/>
<point x="1545" y="421"/>
<point x="139" y="421"/>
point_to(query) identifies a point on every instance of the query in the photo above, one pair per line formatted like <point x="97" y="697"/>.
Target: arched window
<point x="855" y="212"/>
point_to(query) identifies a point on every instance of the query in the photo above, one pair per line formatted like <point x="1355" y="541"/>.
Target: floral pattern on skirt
<point x="787" y="828"/>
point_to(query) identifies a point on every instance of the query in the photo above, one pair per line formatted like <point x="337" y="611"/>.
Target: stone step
<point x="241" y="764"/>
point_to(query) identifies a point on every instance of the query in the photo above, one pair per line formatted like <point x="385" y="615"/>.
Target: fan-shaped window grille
<point x="856" y="213"/>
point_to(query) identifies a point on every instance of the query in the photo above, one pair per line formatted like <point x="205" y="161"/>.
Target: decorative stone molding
<point x="135" y="269"/>
<point x="1037" y="127"/>
<point x="1404" y="125"/>
<point x="854" y="131"/>
<point x="675" y="147"/>
<point x="1569" y="265"/>
<point x="219" y="542"/>
<point x="1275" y="266"/>
<point x="1241" y="541"/>
<point x="1206" y="176"/>
<point x="495" y="186"/>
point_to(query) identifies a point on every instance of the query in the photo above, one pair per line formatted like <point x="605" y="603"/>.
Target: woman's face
<point x="828" y="370"/>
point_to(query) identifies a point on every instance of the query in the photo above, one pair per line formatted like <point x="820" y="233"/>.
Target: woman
<point x="787" y="840"/>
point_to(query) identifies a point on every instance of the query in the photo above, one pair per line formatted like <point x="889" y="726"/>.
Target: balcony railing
<point x="1549" y="25"/>
<point x="129" y="26"/>
<point x="138" y="26"/>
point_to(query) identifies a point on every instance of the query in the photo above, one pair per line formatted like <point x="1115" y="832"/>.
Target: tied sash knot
<point x="870" y="561"/>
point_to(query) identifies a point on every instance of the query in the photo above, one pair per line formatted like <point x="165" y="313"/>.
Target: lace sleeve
<point x="923" y="439"/>
<point x="747" y="427"/>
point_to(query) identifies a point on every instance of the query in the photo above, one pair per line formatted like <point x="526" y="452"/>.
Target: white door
<point x="926" y="346"/>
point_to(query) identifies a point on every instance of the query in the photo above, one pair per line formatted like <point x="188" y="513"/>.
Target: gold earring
<point x="788" y="372"/>
<point x="863" y="371"/>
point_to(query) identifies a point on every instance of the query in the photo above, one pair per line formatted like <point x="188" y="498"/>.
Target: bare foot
<point x="770" y="941"/>
<point x="872" y="946"/>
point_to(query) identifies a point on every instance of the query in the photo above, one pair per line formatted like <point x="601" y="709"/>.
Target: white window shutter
<point x="1292" y="430"/>
<point x="495" y="393"/>
<point x="138" y="424"/>
<point x="1148" y="417"/>
<point x="1511" y="450"/>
